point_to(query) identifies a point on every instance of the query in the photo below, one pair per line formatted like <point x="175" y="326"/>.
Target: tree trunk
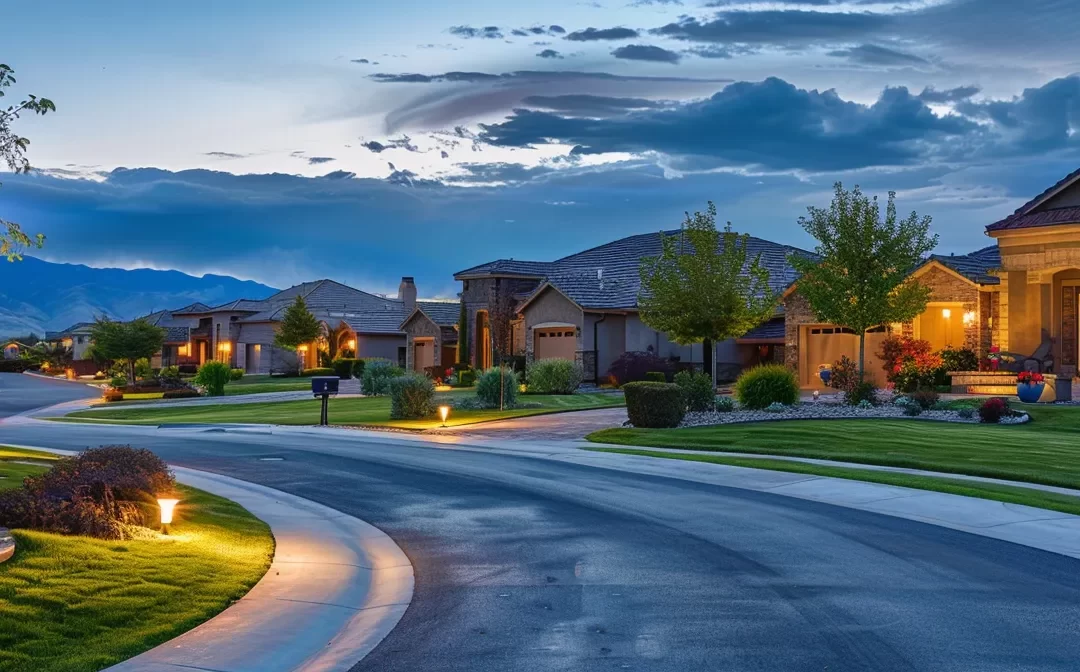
<point x="707" y="359"/>
<point x="862" y="354"/>
<point x="131" y="372"/>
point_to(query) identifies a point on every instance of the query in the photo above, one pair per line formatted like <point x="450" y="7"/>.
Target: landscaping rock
<point x="7" y="544"/>
<point x="823" y="410"/>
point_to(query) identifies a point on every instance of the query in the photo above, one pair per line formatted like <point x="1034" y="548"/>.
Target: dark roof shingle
<point x="1029" y="216"/>
<point x="975" y="266"/>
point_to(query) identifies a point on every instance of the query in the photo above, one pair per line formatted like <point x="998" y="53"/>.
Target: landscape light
<point x="167" y="506"/>
<point x="444" y="412"/>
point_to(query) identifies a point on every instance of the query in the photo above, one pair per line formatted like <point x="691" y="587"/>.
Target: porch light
<point x="301" y="348"/>
<point x="946" y="313"/>
<point x="444" y="412"/>
<point x="225" y="346"/>
<point x="351" y="343"/>
<point x="167" y="507"/>
<point x="969" y="317"/>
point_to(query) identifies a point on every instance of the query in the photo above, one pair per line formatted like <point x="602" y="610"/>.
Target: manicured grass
<point x="999" y="493"/>
<point x="258" y="384"/>
<point x="1046" y="450"/>
<point x="371" y="411"/>
<point x="73" y="604"/>
<point x="12" y="473"/>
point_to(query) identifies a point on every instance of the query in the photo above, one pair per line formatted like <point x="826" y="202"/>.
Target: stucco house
<point x="583" y="307"/>
<point x="432" y="334"/>
<point x="11" y="349"/>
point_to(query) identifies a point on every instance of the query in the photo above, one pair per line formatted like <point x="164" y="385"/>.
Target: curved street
<point x="529" y="564"/>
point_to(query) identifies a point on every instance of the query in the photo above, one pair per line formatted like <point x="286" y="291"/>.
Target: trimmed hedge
<point x="697" y="389"/>
<point x="656" y="376"/>
<point x="554" y="376"/>
<point x="658" y="405"/>
<point x="377" y="375"/>
<point x="412" y="396"/>
<point x="762" y="386"/>
<point x="213" y="376"/>
<point x="358" y="369"/>
<point x="318" y="371"/>
<point x="487" y="387"/>
<point x="344" y="367"/>
<point x="236" y="374"/>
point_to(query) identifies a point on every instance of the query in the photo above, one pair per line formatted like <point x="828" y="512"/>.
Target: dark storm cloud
<point x="549" y="53"/>
<point x="469" y="32"/>
<point x="556" y="30"/>
<point x="871" y="54"/>
<point x="595" y="34"/>
<point x="646" y="52"/>
<point x="316" y="160"/>
<point x="1040" y="120"/>
<point x="932" y="95"/>
<point x="361" y="61"/>
<point x="404" y="142"/>
<point x="591" y="106"/>
<point x="783" y="27"/>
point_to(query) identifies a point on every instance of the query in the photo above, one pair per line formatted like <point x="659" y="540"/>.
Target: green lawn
<point x="370" y="411"/>
<point x="1046" y="450"/>
<point x="69" y="604"/>
<point x="12" y="473"/>
<point x="257" y="384"/>
<point x="1000" y="493"/>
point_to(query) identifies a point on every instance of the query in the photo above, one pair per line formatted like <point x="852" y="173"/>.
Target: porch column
<point x="1014" y="311"/>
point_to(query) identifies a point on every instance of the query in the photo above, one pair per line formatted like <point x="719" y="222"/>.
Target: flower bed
<point x="824" y="410"/>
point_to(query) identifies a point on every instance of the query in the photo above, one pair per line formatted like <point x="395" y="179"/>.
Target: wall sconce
<point x="969" y="317"/>
<point x="225" y="346"/>
<point x="946" y="313"/>
<point x="444" y="412"/>
<point x="167" y="507"/>
<point x="301" y="348"/>
<point x="351" y="344"/>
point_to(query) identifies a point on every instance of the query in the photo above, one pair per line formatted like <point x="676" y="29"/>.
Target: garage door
<point x="558" y="342"/>
<point x="827" y="344"/>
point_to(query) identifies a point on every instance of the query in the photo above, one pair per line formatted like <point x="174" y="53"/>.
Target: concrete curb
<point x="336" y="588"/>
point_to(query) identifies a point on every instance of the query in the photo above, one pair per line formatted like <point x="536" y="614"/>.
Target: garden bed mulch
<point x="822" y="410"/>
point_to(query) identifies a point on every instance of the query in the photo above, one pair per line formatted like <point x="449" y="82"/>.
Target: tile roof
<point x="772" y="330"/>
<point x="975" y="266"/>
<point x="532" y="269"/>
<point x="1028" y="215"/>
<point x="442" y="313"/>
<point x="607" y="276"/>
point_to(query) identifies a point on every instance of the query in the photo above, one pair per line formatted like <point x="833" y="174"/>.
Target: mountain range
<point x="37" y="295"/>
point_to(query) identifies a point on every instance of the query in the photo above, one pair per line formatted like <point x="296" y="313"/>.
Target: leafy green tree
<point x="704" y="287"/>
<point x="861" y="276"/>
<point x="13" y="240"/>
<point x="126" y="342"/>
<point x="298" y="326"/>
<point x="463" y="336"/>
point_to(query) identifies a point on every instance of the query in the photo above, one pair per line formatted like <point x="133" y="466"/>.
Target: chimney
<point x="406" y="293"/>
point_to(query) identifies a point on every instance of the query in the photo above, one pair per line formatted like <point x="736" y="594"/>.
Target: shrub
<point x="656" y="377"/>
<point x="651" y="404"/>
<point x="861" y="392"/>
<point x="632" y="366"/>
<point x="941" y="406"/>
<point x="236" y="374"/>
<point x="912" y="409"/>
<point x="377" y="375"/>
<point x="118" y="382"/>
<point x="170" y="375"/>
<point x="15" y="365"/>
<point x="725" y="404"/>
<point x="925" y="398"/>
<point x="411" y="396"/>
<point x="845" y="375"/>
<point x="182" y="393"/>
<point x="358" y="369"/>
<point x="343" y="367"/>
<point x="776" y="407"/>
<point x="966" y="413"/>
<point x="213" y="376"/>
<point x="958" y="359"/>
<point x="318" y="371"/>
<point x="908" y="363"/>
<point x="466" y="378"/>
<point x="901" y="400"/>
<point x="487" y="387"/>
<point x="698" y="390"/>
<point x="113" y="395"/>
<point x="864" y="404"/>
<point x="554" y="376"/>
<point x="993" y="410"/>
<point x="100" y="492"/>
<point x="142" y="368"/>
<point x="762" y="385"/>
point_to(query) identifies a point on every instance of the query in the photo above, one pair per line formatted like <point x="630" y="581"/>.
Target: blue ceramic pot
<point x="825" y="375"/>
<point x="1029" y="393"/>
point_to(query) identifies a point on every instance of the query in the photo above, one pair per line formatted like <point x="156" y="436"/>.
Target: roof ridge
<point x="1047" y="193"/>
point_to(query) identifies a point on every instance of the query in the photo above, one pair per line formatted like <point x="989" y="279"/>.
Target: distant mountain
<point x="37" y="295"/>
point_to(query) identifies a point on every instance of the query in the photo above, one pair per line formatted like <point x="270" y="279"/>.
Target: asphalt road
<point x="19" y="393"/>
<point x="533" y="565"/>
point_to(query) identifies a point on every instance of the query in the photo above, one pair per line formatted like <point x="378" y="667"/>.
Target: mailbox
<point x="321" y="385"/>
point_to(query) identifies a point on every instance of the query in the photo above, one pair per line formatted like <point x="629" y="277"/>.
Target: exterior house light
<point x="225" y="346"/>
<point x="444" y="412"/>
<point x="351" y="343"/>
<point x="969" y="317"/>
<point x="946" y="313"/>
<point x="302" y="348"/>
<point x="167" y="506"/>
<point x="183" y="350"/>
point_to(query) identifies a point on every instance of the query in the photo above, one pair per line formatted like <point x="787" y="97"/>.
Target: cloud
<point x="1039" y="120"/>
<point x="549" y="53"/>
<point x="769" y="125"/>
<point x="517" y="32"/>
<point x="870" y="54"/>
<point x="783" y="27"/>
<point x="712" y="51"/>
<point x="594" y="34"/>
<point x="932" y="95"/>
<point x="404" y="142"/>
<point x="592" y="106"/>
<point x="469" y="32"/>
<point x="643" y="52"/>
<point x="362" y="61"/>
<point x="316" y="160"/>
<point x="644" y="3"/>
<point x="226" y="155"/>
<point x="556" y="29"/>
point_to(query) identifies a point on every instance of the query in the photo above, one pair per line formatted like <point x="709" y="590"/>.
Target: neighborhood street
<point x="530" y="564"/>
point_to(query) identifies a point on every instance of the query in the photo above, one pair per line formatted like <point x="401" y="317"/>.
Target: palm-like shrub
<point x="487" y="387"/>
<point x="411" y="396"/>
<point x="554" y="376"/>
<point x="213" y="376"/>
<point x="762" y="386"/>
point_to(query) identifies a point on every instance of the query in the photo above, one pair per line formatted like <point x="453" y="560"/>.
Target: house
<point x="12" y="349"/>
<point x="431" y="329"/>
<point x="241" y="332"/>
<point x="178" y="327"/>
<point x="583" y="307"/>
<point x="76" y="337"/>
<point x="1012" y="294"/>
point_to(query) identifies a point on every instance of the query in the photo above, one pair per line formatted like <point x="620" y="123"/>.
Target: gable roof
<point x="1032" y="214"/>
<point x="441" y="312"/>
<point x="528" y="269"/>
<point x="974" y="266"/>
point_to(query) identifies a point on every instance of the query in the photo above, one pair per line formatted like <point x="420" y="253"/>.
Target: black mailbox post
<point x="323" y="387"/>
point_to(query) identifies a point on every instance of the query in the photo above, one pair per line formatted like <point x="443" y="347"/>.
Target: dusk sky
<point x="362" y="141"/>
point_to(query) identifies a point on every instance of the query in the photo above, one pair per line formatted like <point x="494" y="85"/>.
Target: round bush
<point x="725" y="404"/>
<point x="993" y="410"/>
<point x="764" y="385"/>
<point x="344" y="367"/>
<point x="860" y="392"/>
<point x="554" y="376"/>
<point x="697" y="390"/>
<point x="236" y="374"/>
<point x="650" y="404"/>
<point x="411" y="396"/>
<point x="487" y="387"/>
<point x="318" y="371"/>
<point x="213" y="376"/>
<point x="377" y="375"/>
<point x="656" y="376"/>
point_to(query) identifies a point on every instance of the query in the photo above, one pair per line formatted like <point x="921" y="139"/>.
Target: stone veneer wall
<point x="475" y="294"/>
<point x="796" y="312"/>
<point x="422" y="327"/>
<point x="949" y="287"/>
<point x="1069" y="336"/>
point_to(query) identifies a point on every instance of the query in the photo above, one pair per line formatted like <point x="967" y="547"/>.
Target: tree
<point x="126" y="342"/>
<point x="861" y="276"/>
<point x="463" y="336"/>
<point x="702" y="288"/>
<point x="298" y="327"/>
<point x="502" y="309"/>
<point x="12" y="150"/>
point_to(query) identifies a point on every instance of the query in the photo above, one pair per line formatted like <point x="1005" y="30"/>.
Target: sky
<point x="362" y="141"/>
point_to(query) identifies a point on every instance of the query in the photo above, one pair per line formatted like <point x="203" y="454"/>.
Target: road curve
<point x="525" y="564"/>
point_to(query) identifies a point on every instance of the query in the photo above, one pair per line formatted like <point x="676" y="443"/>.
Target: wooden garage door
<point x="558" y="342"/>
<point x="826" y="345"/>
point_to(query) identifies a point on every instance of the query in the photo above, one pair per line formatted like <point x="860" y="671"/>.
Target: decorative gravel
<point x="819" y="410"/>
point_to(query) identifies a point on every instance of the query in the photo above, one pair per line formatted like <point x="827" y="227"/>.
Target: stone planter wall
<point x="998" y="383"/>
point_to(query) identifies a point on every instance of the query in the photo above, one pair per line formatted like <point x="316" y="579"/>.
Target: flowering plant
<point x="909" y="363"/>
<point x="1030" y="377"/>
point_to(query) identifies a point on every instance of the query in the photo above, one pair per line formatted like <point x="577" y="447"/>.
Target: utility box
<point x="321" y="385"/>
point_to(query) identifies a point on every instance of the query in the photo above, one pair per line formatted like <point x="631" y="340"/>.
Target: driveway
<point x="552" y="427"/>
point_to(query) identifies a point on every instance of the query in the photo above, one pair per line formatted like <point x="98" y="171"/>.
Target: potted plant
<point x="1029" y="386"/>
<point x="824" y="372"/>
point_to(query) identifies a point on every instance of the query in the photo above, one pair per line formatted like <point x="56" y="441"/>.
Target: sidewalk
<point x="336" y="588"/>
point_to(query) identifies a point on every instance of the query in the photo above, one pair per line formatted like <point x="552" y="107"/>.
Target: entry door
<point x="423" y="355"/>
